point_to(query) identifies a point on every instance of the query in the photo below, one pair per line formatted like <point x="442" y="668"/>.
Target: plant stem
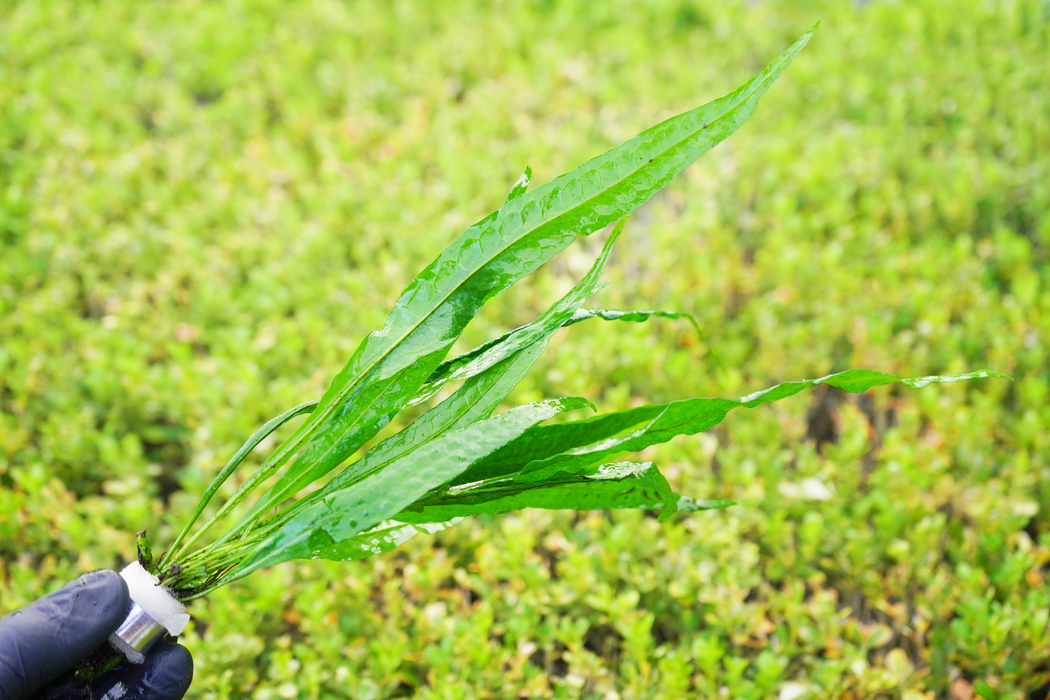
<point x="261" y="434"/>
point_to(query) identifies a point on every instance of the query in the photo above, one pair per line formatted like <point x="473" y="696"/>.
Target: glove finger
<point x="44" y="639"/>
<point x="164" y="675"/>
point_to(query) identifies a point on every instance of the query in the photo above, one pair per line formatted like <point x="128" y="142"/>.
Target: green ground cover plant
<point x="894" y="544"/>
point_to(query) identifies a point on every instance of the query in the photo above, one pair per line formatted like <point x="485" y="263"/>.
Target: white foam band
<point x="133" y="655"/>
<point x="157" y="601"/>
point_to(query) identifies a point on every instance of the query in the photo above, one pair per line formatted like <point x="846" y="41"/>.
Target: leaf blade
<point x="520" y="186"/>
<point x="382" y="538"/>
<point x="348" y="512"/>
<point x="492" y="377"/>
<point x="615" y="485"/>
<point x="471" y="362"/>
<point x="574" y="447"/>
<point x="391" y="364"/>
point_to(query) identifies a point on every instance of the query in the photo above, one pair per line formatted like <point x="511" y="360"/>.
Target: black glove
<point x="41" y="643"/>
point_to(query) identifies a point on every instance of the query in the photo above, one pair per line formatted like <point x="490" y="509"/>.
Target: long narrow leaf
<point x="361" y="506"/>
<point x="577" y="446"/>
<point x="304" y="431"/>
<point x="632" y="316"/>
<point x="391" y="365"/>
<point x="382" y="538"/>
<point x="480" y="358"/>
<point x="488" y="386"/>
<point x="615" y="485"/>
<point x="257" y="437"/>
<point x="623" y="485"/>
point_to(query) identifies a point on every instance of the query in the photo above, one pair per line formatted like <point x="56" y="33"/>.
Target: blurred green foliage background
<point x="205" y="205"/>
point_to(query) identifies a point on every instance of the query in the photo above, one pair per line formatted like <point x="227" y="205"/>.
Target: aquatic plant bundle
<point x="457" y="459"/>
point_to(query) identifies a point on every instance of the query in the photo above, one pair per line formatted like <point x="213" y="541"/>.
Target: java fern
<point x="457" y="459"/>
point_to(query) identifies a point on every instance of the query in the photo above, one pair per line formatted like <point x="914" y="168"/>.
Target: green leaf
<point x="478" y="359"/>
<point x="361" y="506"/>
<point x="615" y="485"/>
<point x="574" y="447"/>
<point x="634" y="316"/>
<point x="493" y="378"/>
<point x="623" y="485"/>
<point x="484" y="356"/>
<point x="382" y="538"/>
<point x="231" y="466"/>
<point x="520" y="186"/>
<point x="391" y="364"/>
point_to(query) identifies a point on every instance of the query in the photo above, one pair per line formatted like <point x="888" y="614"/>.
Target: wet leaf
<point x="362" y="505"/>
<point x="614" y="485"/>
<point x="542" y="453"/>
<point x="520" y="186"/>
<point x="257" y="437"/>
<point x="382" y="538"/>
<point x="480" y="358"/>
<point x="391" y="365"/>
<point x="496" y="376"/>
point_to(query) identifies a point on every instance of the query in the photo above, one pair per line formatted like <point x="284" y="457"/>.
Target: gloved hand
<point x="41" y="643"/>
